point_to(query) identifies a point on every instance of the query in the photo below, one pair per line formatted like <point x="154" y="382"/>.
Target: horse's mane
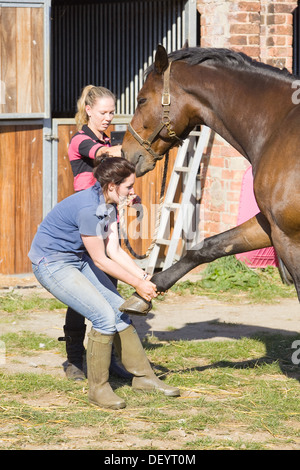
<point x="227" y="57"/>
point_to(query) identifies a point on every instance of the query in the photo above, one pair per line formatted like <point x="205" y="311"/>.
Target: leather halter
<point x="165" y="121"/>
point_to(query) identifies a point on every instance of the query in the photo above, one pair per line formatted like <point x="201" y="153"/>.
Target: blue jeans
<point x="82" y="286"/>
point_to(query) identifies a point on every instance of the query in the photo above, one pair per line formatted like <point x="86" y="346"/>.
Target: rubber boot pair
<point x="75" y="366"/>
<point x="133" y="358"/>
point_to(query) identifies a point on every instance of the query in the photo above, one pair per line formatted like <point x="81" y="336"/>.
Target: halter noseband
<point x="165" y="122"/>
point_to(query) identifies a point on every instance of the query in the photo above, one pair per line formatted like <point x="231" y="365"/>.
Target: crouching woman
<point x="74" y="249"/>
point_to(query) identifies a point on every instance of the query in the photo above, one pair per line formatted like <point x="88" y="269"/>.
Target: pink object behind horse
<point x="247" y="209"/>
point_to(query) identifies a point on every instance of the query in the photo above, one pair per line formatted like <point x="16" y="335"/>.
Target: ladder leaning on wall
<point x="193" y="147"/>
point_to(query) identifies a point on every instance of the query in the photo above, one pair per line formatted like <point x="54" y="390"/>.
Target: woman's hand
<point x="146" y="289"/>
<point x="114" y="151"/>
<point x="133" y="199"/>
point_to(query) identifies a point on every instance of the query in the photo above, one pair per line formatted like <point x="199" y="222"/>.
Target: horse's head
<point x="158" y="123"/>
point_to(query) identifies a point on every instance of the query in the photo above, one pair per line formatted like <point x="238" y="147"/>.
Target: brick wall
<point x="263" y="29"/>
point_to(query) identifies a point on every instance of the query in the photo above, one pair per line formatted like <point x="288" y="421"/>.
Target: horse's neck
<point x="244" y="108"/>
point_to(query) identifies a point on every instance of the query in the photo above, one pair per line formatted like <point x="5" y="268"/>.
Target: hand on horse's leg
<point x="136" y="305"/>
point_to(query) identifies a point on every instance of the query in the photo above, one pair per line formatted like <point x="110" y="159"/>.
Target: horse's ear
<point x="185" y="45"/>
<point x="161" y="60"/>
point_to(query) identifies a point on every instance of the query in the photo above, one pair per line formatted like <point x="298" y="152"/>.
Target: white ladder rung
<point x="163" y="241"/>
<point x="172" y="205"/>
<point x="183" y="169"/>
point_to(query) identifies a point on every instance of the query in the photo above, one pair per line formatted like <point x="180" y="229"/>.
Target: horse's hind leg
<point x="288" y="250"/>
<point x="251" y="235"/>
<point x="284" y="273"/>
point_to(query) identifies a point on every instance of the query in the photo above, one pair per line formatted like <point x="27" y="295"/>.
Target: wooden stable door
<point x="21" y="182"/>
<point x="24" y="64"/>
<point x="24" y="107"/>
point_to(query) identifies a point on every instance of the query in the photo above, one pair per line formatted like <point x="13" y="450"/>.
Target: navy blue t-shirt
<point x="59" y="235"/>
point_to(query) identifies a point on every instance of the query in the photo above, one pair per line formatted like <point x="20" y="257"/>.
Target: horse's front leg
<point x="251" y="235"/>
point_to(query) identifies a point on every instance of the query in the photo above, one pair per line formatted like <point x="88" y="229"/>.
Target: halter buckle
<point x="165" y="99"/>
<point x="146" y="144"/>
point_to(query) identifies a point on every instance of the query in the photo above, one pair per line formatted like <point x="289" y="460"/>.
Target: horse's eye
<point x="141" y="101"/>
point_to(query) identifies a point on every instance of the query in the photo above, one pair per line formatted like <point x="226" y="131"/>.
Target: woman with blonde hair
<point x="95" y="112"/>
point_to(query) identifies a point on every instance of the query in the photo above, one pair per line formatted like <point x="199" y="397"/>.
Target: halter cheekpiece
<point x="165" y="121"/>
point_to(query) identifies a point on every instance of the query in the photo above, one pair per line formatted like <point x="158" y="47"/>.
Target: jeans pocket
<point x="41" y="275"/>
<point x="35" y="268"/>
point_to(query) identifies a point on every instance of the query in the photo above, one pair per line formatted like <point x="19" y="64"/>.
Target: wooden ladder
<point x="186" y="208"/>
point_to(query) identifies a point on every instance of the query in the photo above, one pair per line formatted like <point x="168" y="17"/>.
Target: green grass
<point x="26" y="341"/>
<point x="15" y="302"/>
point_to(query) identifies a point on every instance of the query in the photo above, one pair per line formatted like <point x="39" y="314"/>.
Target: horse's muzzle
<point x="143" y="166"/>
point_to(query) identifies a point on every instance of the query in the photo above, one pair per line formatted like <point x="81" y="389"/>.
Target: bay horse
<point x="253" y="107"/>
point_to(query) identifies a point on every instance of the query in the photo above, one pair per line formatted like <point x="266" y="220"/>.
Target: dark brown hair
<point x="112" y="170"/>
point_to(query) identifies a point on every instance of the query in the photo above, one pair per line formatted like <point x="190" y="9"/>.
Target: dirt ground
<point x="177" y="317"/>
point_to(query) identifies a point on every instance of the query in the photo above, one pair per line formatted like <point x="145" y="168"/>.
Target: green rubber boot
<point x="98" y="361"/>
<point x="134" y="359"/>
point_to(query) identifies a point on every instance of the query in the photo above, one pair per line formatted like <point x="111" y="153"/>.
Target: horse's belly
<point x="277" y="181"/>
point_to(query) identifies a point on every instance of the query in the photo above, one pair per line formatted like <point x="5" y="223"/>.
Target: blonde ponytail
<point x="89" y="95"/>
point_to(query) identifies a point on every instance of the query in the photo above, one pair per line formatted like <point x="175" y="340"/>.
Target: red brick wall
<point x="263" y="29"/>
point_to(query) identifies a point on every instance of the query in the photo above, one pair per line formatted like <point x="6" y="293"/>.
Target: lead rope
<point x="157" y="222"/>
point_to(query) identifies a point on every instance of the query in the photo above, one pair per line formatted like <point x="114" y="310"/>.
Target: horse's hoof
<point x="136" y="305"/>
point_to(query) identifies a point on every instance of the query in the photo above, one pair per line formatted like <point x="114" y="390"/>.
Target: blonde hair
<point x="89" y="95"/>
